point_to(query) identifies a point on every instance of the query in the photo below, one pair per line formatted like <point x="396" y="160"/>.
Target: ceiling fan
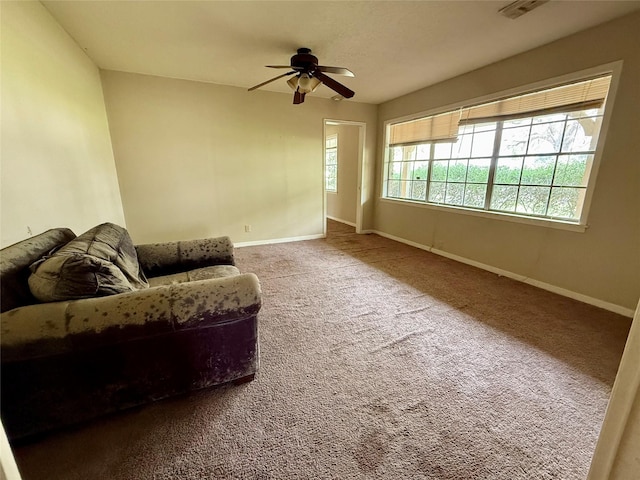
<point x="309" y="75"/>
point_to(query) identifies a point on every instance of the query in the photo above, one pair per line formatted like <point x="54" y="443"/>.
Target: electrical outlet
<point x="247" y="228"/>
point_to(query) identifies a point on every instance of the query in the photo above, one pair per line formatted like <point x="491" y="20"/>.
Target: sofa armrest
<point x="60" y="327"/>
<point x="172" y="257"/>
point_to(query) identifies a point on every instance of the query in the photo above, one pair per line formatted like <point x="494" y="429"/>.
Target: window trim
<point x="614" y="69"/>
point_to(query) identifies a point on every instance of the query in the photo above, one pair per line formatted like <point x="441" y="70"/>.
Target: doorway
<point x="344" y="161"/>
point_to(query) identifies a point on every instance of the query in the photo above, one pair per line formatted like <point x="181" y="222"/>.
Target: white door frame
<point x="362" y="130"/>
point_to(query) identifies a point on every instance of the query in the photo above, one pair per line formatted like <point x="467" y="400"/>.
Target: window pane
<point x="552" y="117"/>
<point x="419" y="190"/>
<point x="409" y="152"/>
<point x="533" y="200"/>
<point x="420" y="170"/>
<point x="457" y="171"/>
<point x="581" y="134"/>
<point x="442" y="150"/>
<point x="455" y="193"/>
<point x="538" y="170"/>
<point x="395" y="170"/>
<point x="504" y="198"/>
<point x="406" y="170"/>
<point x="424" y="151"/>
<point x="546" y="138"/>
<point x="572" y="170"/>
<point x="474" y="195"/>
<point x="508" y="171"/>
<point x="565" y="202"/>
<point x="393" y="188"/>
<point x="514" y="141"/>
<point x="331" y="177"/>
<point x="436" y="192"/>
<point x="517" y="122"/>
<point x="405" y="189"/>
<point x="332" y="157"/>
<point x="463" y="129"/>
<point x="483" y="127"/>
<point x="478" y="171"/>
<point x="483" y="144"/>
<point x="396" y="154"/>
<point x="439" y="170"/>
<point x="462" y="148"/>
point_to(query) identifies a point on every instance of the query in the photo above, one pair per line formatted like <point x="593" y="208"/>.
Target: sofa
<point x="94" y="324"/>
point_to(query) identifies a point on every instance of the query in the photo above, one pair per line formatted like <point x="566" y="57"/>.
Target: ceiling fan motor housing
<point x="303" y="59"/>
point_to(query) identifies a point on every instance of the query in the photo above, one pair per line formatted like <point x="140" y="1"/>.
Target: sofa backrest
<point x="14" y="265"/>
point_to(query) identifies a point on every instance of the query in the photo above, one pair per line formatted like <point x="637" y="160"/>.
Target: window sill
<point x="540" y="222"/>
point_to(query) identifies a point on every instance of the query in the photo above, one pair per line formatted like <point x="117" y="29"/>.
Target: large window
<point x="331" y="163"/>
<point x="528" y="155"/>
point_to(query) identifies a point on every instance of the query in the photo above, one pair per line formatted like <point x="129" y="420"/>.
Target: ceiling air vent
<point x="520" y="7"/>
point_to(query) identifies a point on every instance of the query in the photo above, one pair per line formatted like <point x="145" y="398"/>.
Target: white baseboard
<point x="278" y="240"/>
<point x="351" y="224"/>
<point x="612" y="307"/>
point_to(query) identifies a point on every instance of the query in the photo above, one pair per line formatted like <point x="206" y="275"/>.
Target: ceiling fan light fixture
<point x="307" y="84"/>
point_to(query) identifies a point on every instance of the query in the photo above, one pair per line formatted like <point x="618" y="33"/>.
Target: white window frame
<point x="614" y="69"/>
<point x="326" y="151"/>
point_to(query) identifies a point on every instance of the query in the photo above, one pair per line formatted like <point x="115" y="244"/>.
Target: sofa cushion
<point x="101" y="261"/>
<point x="205" y="273"/>
<point x="74" y="276"/>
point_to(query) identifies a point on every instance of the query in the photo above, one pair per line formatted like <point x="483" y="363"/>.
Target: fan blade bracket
<point x="336" y="70"/>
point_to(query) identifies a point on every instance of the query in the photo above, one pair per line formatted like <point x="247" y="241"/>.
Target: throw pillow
<point x="101" y="261"/>
<point x="75" y="276"/>
<point x="112" y="243"/>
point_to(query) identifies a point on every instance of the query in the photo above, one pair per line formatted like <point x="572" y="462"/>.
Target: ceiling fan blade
<point x="284" y="66"/>
<point x="333" y="85"/>
<point x="298" y="97"/>
<point x="336" y="70"/>
<point x="272" y="80"/>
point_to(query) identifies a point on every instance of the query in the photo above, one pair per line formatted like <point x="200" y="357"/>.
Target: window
<point x="527" y="155"/>
<point x="331" y="163"/>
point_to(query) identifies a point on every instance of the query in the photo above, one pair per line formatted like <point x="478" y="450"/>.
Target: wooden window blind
<point x="582" y="95"/>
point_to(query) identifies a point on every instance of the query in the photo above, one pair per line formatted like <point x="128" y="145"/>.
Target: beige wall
<point x="342" y="204"/>
<point x="602" y="263"/>
<point x="57" y="166"/>
<point x="197" y="159"/>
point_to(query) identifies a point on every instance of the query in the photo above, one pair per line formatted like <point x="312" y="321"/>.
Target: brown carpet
<point x="378" y="360"/>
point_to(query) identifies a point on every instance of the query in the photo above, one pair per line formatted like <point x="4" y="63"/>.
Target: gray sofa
<point x="185" y="319"/>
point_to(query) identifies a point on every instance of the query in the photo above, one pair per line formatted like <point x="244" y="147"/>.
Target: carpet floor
<point x="378" y="360"/>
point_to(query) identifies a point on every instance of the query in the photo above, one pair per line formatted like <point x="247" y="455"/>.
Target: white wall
<point x="600" y="264"/>
<point x="341" y="205"/>
<point x="57" y="166"/>
<point x="197" y="159"/>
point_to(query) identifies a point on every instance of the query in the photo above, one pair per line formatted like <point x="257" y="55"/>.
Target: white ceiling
<point x="393" y="47"/>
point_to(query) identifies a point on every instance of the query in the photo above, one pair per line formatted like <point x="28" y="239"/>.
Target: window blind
<point x="429" y="129"/>
<point x="582" y="95"/>
<point x="575" y="96"/>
